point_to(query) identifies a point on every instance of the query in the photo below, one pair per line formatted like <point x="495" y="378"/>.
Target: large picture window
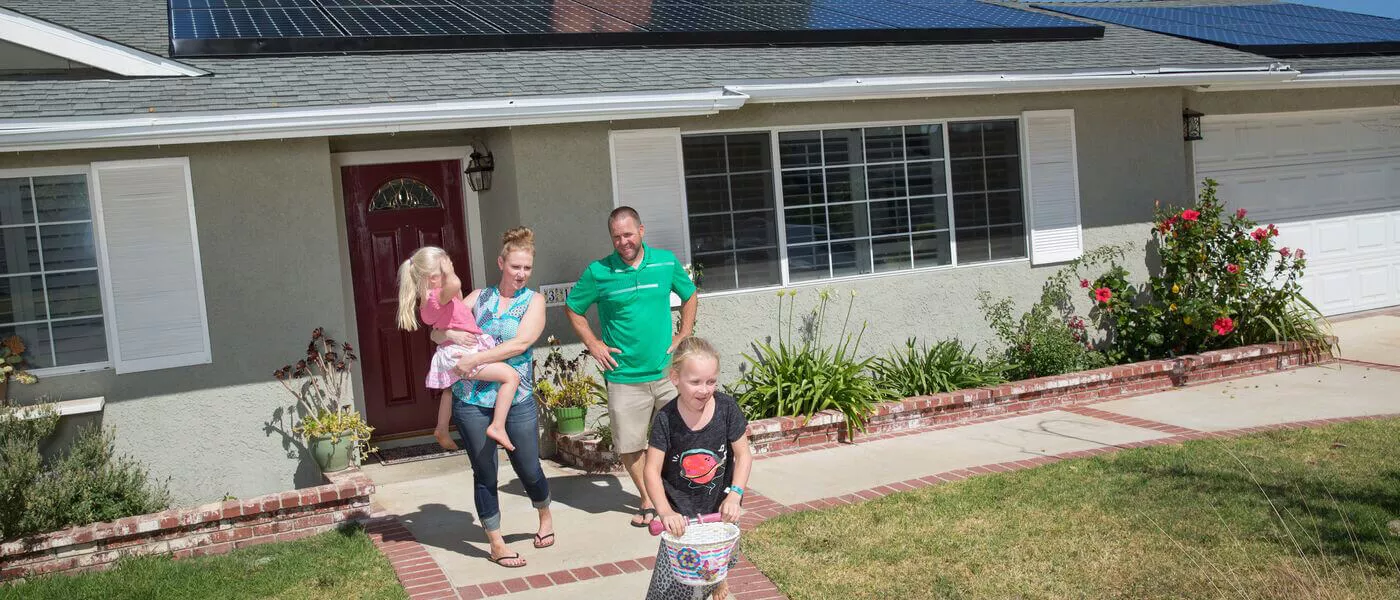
<point x="853" y="201"/>
<point x="49" y="290"/>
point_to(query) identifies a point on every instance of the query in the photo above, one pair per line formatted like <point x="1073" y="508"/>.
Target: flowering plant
<point x="12" y="363"/>
<point x="561" y="382"/>
<point x="320" y="384"/>
<point x="1220" y="283"/>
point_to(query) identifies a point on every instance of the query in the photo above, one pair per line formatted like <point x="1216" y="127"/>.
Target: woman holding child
<point x="514" y="316"/>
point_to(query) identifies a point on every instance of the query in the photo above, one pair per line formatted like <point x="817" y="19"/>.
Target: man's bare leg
<point x="634" y="462"/>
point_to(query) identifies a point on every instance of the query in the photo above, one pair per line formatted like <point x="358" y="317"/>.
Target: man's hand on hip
<point x="603" y="354"/>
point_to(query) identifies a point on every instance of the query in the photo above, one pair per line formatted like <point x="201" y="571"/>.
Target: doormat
<point x="407" y="454"/>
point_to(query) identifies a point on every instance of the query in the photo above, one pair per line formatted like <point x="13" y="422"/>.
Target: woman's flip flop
<point x="509" y="565"/>
<point x="540" y="540"/>
<point x="644" y="513"/>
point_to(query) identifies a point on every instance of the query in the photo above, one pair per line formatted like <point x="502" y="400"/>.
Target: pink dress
<point x="458" y="316"/>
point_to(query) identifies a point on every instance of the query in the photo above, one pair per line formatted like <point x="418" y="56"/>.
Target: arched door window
<point x="403" y="193"/>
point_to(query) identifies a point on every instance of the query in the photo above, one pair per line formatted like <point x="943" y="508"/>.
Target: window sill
<point x="853" y="279"/>
<point x="70" y="370"/>
<point x="66" y="408"/>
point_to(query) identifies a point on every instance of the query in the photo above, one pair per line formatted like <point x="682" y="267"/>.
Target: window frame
<point x="779" y="205"/>
<point x="100" y="254"/>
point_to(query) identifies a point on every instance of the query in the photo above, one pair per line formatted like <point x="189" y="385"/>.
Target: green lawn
<point x="1287" y="514"/>
<point x="334" y="565"/>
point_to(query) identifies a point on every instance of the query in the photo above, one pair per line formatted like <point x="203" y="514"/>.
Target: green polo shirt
<point x="634" y="308"/>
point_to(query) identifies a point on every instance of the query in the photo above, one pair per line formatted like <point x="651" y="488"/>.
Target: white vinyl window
<point x="854" y="201"/>
<point x="50" y="292"/>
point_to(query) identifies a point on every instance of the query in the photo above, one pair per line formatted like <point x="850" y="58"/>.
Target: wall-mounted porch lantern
<point x="1191" y="125"/>
<point x="479" y="168"/>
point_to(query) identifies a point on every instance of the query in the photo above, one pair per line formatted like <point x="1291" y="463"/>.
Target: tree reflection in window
<point x="404" y="193"/>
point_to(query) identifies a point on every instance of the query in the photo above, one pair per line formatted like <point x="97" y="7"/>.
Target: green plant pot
<point x="568" y="420"/>
<point x="330" y="454"/>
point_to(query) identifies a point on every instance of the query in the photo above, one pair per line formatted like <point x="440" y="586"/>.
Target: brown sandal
<point x="540" y="540"/>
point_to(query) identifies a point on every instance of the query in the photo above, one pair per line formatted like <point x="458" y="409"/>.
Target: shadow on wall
<point x="307" y="473"/>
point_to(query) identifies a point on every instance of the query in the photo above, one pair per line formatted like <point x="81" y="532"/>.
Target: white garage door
<point x="1331" y="182"/>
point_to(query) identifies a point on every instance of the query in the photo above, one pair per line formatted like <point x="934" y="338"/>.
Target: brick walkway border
<point x="425" y="580"/>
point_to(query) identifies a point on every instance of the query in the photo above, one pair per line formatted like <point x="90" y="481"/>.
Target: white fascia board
<point x="871" y="88"/>
<point x="1374" y="77"/>
<point x="66" y="408"/>
<point x="180" y="128"/>
<point x="93" y="51"/>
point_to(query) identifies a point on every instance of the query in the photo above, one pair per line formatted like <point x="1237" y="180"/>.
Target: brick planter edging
<point x="213" y="528"/>
<point x="789" y="433"/>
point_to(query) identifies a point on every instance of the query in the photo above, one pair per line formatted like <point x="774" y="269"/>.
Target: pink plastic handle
<point x="656" y="526"/>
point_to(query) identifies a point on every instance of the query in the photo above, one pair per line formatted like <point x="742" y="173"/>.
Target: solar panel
<point x="242" y="27"/>
<point x="1279" y="30"/>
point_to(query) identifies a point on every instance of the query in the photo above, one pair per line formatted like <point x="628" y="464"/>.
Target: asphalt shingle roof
<point x="303" y="81"/>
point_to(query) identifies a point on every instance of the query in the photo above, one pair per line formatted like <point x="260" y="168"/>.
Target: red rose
<point x="1273" y="230"/>
<point x="1259" y="234"/>
<point x="1103" y="294"/>
<point x="1284" y="252"/>
<point x="1084" y="283"/>
<point x="1190" y="215"/>
<point x="1239" y="214"/>
<point x="1232" y="269"/>
<point x="1224" y="325"/>
<point x="1298" y="253"/>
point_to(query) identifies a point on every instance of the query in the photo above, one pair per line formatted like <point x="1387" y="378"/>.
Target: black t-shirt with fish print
<point x="699" y="464"/>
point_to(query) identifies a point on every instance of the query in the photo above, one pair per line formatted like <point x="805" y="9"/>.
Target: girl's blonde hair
<point x="518" y="238"/>
<point x="413" y="281"/>
<point x="692" y="347"/>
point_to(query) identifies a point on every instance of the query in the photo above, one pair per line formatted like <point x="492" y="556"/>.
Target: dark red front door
<point x="390" y="211"/>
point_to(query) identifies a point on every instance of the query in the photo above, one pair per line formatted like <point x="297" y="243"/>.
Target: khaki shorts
<point x="631" y="407"/>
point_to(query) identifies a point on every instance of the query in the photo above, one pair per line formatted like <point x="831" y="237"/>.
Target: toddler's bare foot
<point x="499" y="434"/>
<point x="444" y="439"/>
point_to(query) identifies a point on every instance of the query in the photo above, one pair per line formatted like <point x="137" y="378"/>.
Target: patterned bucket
<point x="701" y="556"/>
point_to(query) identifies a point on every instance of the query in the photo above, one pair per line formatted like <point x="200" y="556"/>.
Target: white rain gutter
<point x="93" y="51"/>
<point x="1375" y="77"/>
<point x="869" y="88"/>
<point x="183" y="128"/>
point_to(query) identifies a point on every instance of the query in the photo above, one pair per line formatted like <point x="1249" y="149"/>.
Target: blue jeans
<point x="522" y="425"/>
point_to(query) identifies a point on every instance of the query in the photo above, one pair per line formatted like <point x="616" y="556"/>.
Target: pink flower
<point x="1239" y="214"/>
<point x="1103" y="295"/>
<point x="1273" y="230"/>
<point x="1232" y="268"/>
<point x="1284" y="252"/>
<point x="1224" y="325"/>
<point x="1298" y="253"/>
<point x="1084" y="283"/>
<point x="1259" y="234"/>
<point x="1190" y="215"/>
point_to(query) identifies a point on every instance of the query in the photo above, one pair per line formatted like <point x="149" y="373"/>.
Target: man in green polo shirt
<point x="632" y="288"/>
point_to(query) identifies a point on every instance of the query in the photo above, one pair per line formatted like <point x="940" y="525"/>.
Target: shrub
<point x="946" y="367"/>
<point x="87" y="484"/>
<point x="1049" y="339"/>
<point x="792" y="379"/>
<point x="1221" y="283"/>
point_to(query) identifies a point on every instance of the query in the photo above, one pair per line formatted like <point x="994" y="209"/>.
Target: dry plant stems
<point x="319" y="384"/>
<point x="12" y="362"/>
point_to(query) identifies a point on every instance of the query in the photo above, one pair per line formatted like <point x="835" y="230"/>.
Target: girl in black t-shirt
<point x="699" y="459"/>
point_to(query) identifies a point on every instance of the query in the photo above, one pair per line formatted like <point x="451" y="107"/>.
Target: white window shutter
<point x="648" y="175"/>
<point x="1052" y="185"/>
<point x="152" y="283"/>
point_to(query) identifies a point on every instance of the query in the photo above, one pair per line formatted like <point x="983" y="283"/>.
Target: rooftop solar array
<point x="242" y="27"/>
<point x="1279" y="30"/>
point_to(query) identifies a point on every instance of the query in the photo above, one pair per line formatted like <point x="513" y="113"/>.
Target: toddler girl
<point x="428" y="282"/>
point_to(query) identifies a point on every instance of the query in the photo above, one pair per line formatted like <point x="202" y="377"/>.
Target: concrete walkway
<point x="598" y="556"/>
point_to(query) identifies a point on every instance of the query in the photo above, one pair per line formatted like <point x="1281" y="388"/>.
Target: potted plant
<point x="563" y="388"/>
<point x="12" y="365"/>
<point x="333" y="430"/>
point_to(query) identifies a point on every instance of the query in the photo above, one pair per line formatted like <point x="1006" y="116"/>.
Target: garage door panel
<point x="1331" y="183"/>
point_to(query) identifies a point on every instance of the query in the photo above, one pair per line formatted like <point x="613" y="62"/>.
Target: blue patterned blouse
<point x="503" y="327"/>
